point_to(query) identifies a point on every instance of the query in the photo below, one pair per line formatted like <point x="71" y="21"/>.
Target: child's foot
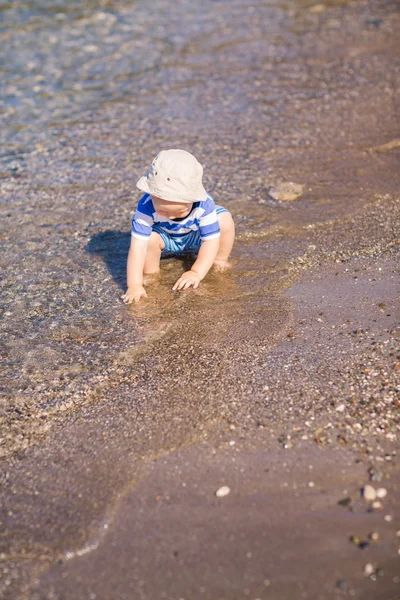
<point x="221" y="265"/>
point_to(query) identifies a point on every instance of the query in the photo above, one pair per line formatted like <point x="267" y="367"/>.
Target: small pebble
<point x="311" y="484"/>
<point x="341" y="583"/>
<point x="90" y="48"/>
<point x="369" y="493"/>
<point x="363" y="545"/>
<point x="341" y="408"/>
<point x="286" y="191"/>
<point x="373" y="536"/>
<point x="381" y="492"/>
<point x="317" y="8"/>
<point x="345" y="501"/>
<point x="388" y="518"/>
<point x="354" y="539"/>
<point x="377" y="505"/>
<point x="376" y="475"/>
<point x="222" y="491"/>
<point x="368" y="569"/>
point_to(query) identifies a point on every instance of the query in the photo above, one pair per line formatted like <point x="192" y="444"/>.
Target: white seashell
<point x="222" y="491"/>
<point x="368" y="569"/>
<point x="369" y="493"/>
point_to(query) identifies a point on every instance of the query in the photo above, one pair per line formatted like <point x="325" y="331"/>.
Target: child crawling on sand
<point x="176" y="216"/>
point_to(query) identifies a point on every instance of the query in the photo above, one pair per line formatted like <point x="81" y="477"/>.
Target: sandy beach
<point x="278" y="381"/>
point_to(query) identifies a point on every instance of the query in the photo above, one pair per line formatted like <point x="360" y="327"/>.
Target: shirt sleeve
<point x="208" y="223"/>
<point x="142" y="220"/>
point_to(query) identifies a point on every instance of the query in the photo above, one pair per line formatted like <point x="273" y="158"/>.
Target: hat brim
<point x="143" y="185"/>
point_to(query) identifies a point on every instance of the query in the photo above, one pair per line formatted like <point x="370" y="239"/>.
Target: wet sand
<point x="292" y="356"/>
<point x="281" y="532"/>
<point x="284" y="530"/>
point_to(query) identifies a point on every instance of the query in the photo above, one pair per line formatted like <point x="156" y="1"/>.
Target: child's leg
<point x="153" y="254"/>
<point x="226" y="240"/>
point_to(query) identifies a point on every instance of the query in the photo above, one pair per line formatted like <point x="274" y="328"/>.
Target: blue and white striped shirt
<point x="202" y="217"/>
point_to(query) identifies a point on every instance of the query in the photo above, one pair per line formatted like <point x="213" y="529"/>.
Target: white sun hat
<point x="176" y="176"/>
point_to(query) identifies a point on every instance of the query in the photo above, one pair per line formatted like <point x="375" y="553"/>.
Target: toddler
<point x="176" y="216"/>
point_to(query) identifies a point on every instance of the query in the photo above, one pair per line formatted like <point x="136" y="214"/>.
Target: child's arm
<point x="207" y="253"/>
<point x="134" y="270"/>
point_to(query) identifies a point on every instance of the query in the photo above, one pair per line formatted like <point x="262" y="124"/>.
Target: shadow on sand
<point x="112" y="246"/>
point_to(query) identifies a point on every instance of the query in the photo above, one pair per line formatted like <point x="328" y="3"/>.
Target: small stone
<point x="380" y="572"/>
<point x="354" y="539"/>
<point x="375" y="475"/>
<point x="345" y="501"/>
<point x="317" y="8"/>
<point x="381" y="492"/>
<point x="341" y="408"/>
<point x="311" y="484"/>
<point x="286" y="191"/>
<point x="388" y="518"/>
<point x="222" y="491"/>
<point x="368" y="569"/>
<point x="91" y="48"/>
<point x="369" y="493"/>
<point x="341" y="583"/>
<point x="373" y="536"/>
<point x="377" y="505"/>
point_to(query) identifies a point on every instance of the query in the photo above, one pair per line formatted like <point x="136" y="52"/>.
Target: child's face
<point x="171" y="210"/>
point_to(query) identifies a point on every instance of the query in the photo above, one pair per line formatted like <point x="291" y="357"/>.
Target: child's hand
<point x="186" y="280"/>
<point x="134" y="293"/>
